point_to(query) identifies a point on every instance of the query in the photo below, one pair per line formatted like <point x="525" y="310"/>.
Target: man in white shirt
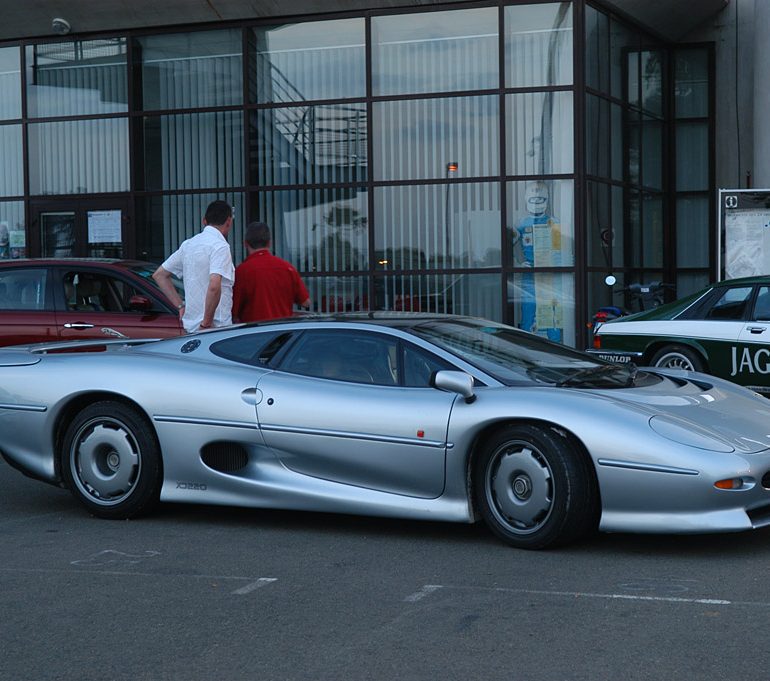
<point x="205" y="265"/>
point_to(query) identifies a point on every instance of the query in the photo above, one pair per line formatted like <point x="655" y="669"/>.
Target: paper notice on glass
<point x="18" y="238"/>
<point x="104" y="227"/>
<point x="747" y="242"/>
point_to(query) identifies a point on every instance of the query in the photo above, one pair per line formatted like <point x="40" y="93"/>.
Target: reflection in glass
<point x="538" y="45"/>
<point x="13" y="240"/>
<point x="597" y="136"/>
<point x="652" y="65"/>
<point x="691" y="83"/>
<point x="542" y="228"/>
<point x="436" y="226"/>
<point x="76" y="78"/>
<point x="543" y="303"/>
<point x="317" y="230"/>
<point x="309" y="145"/>
<point x="477" y="295"/>
<point x="652" y="154"/>
<point x="308" y="61"/>
<point x="691" y="282"/>
<point x="11" y="161"/>
<point x="193" y="151"/>
<point x="652" y="237"/>
<point x="415" y="139"/>
<point x="633" y="133"/>
<point x="692" y="231"/>
<point x="599" y="226"/>
<point x="616" y="141"/>
<point x="338" y="294"/>
<point x="597" y="50"/>
<point x="164" y="222"/>
<point x="79" y="157"/>
<point x="692" y="156"/>
<point x="186" y="70"/>
<point x="623" y="41"/>
<point x="10" y="83"/>
<point x="618" y="222"/>
<point x="634" y="229"/>
<point x="540" y="136"/>
<point x="57" y="234"/>
<point x="435" y="52"/>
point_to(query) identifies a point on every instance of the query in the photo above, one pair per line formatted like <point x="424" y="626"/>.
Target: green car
<point x="722" y="330"/>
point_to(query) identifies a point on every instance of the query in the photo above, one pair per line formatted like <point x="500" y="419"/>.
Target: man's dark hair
<point x="257" y="235"/>
<point x="217" y="213"/>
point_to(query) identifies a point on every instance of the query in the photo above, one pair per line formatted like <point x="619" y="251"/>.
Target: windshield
<point x="514" y="357"/>
<point x="145" y="270"/>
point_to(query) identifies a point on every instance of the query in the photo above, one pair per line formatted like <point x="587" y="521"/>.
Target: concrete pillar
<point x="761" y="171"/>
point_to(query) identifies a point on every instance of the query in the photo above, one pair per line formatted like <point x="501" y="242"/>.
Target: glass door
<point x="91" y="228"/>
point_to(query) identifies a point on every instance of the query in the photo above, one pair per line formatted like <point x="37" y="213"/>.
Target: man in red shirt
<point x="266" y="287"/>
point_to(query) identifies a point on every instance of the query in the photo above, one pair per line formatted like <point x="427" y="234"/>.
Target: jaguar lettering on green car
<point x="723" y="330"/>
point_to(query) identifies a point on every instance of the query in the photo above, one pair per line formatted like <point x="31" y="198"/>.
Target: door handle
<point x="757" y="329"/>
<point x="78" y="325"/>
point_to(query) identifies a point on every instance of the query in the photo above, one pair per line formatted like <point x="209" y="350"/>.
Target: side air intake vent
<point x="225" y="457"/>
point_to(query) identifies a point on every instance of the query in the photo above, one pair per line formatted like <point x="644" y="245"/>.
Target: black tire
<point x="534" y="488"/>
<point x="678" y="357"/>
<point x="111" y="461"/>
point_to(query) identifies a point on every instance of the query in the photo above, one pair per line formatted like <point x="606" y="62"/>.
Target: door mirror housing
<point x="140" y="303"/>
<point x="454" y="382"/>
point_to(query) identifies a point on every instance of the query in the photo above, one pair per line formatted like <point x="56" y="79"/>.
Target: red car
<point x="67" y="299"/>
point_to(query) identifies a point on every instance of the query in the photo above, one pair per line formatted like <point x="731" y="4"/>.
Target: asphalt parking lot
<point x="228" y="594"/>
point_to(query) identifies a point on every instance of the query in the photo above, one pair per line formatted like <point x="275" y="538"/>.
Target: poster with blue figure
<point x="537" y="243"/>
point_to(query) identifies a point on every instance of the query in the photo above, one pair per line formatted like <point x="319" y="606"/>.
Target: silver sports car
<point x="403" y="415"/>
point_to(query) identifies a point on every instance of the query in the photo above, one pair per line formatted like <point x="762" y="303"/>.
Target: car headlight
<point x="689" y="434"/>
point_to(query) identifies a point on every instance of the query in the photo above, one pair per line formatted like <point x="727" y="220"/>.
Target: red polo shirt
<point x="266" y="287"/>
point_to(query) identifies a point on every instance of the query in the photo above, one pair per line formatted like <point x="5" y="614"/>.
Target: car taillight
<point x="597" y="342"/>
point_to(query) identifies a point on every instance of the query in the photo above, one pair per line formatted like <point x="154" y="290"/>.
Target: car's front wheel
<point x="678" y="357"/>
<point x="111" y="460"/>
<point x="534" y="488"/>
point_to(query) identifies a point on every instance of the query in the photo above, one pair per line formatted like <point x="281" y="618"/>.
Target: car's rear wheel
<point x="534" y="488"/>
<point x="111" y="460"/>
<point x="678" y="357"/>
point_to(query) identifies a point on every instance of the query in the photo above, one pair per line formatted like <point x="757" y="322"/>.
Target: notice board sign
<point x="744" y="233"/>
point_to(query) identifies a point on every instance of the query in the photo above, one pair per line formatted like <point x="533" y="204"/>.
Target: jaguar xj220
<point x="403" y="415"/>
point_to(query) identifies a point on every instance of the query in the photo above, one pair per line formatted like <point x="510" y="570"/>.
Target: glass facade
<point x="405" y="160"/>
<point x="649" y="172"/>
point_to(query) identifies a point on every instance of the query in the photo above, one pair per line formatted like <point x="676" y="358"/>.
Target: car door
<point x="337" y="408"/>
<point x="750" y="358"/>
<point x="26" y="307"/>
<point x="94" y="303"/>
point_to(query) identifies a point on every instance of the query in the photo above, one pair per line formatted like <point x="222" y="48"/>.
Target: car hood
<point x="706" y="406"/>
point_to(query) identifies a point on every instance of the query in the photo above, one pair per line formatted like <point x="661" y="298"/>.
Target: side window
<point x="762" y="306"/>
<point x="419" y="365"/>
<point x="256" y="349"/>
<point x="731" y="305"/>
<point x="353" y="356"/>
<point x="23" y="289"/>
<point x="95" y="292"/>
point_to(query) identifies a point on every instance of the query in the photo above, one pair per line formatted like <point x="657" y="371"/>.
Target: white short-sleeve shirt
<point x="194" y="262"/>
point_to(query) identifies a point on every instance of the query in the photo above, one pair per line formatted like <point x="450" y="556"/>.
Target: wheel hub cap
<point x="106" y="461"/>
<point x="521" y="487"/>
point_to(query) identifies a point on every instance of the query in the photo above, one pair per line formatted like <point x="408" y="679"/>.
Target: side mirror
<point x="454" y="382"/>
<point x="140" y="303"/>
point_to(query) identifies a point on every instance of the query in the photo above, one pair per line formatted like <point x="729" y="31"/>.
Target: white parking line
<point x="422" y="593"/>
<point x="262" y="581"/>
<point x="430" y="588"/>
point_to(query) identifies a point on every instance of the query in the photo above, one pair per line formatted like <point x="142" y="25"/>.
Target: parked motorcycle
<point x="638" y="297"/>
